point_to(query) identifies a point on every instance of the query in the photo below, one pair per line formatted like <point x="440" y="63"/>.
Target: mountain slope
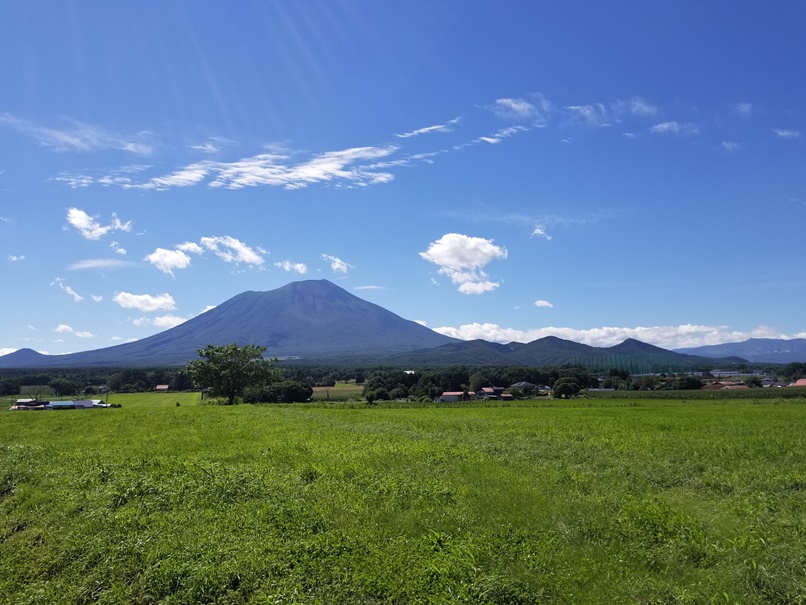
<point x="758" y="350"/>
<point x="309" y="319"/>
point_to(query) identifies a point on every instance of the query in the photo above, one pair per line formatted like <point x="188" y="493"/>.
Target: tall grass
<point x="593" y="502"/>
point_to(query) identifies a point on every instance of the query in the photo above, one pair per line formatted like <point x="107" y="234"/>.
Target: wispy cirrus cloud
<point x="503" y="133"/>
<point x="79" y="137"/>
<point x="89" y="226"/>
<point x="344" y="168"/>
<point x="100" y="264"/>
<point x="673" y="127"/>
<point x="67" y="289"/>
<point x="782" y="133"/>
<point x="446" y="127"/>
<point x="462" y="258"/>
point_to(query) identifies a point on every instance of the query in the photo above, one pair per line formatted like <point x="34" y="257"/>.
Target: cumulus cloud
<point x="67" y="289"/>
<point x="167" y="321"/>
<point x="667" y="337"/>
<point x="336" y="264"/>
<point x="287" y="265"/>
<point x="145" y="302"/>
<point x="231" y="250"/>
<point x="118" y="248"/>
<point x="90" y="228"/>
<point x="15" y="259"/>
<point x="63" y="329"/>
<point x="6" y="351"/>
<point x="544" y="303"/>
<point x="168" y="260"/>
<point x="462" y="258"/>
<point x="79" y="137"/>
<point x="641" y="108"/>
<point x="85" y="334"/>
<point x="227" y="248"/>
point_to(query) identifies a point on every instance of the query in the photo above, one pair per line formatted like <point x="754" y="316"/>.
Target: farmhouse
<point x="449" y="396"/>
<point x="84" y="404"/>
<point x="799" y="383"/>
<point x="161" y="388"/>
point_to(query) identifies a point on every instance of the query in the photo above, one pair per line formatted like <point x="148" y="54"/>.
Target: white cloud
<point x="336" y="264"/>
<point x="429" y="129"/>
<point x="463" y="258"/>
<point x="730" y="146"/>
<point x="168" y="321"/>
<point x="118" y="248"/>
<point x="15" y="259"/>
<point x="99" y="263"/>
<point x="673" y="128"/>
<point x="79" y="137"/>
<point x="639" y="107"/>
<point x="6" y="351"/>
<point x="422" y="322"/>
<point x="667" y="337"/>
<point x="96" y="298"/>
<point x="513" y="108"/>
<point x="231" y="250"/>
<point x="67" y="289"/>
<point x="744" y="109"/>
<point x="145" y="302"/>
<point x="544" y="303"/>
<point x="343" y="168"/>
<point x="85" y="334"/>
<point x="592" y="115"/>
<point x="63" y="329"/>
<point x="287" y="265"/>
<point x="540" y="231"/>
<point x="370" y="288"/>
<point x="502" y="134"/>
<point x="786" y="134"/>
<point x="90" y="228"/>
<point x="191" y="247"/>
<point x="168" y="260"/>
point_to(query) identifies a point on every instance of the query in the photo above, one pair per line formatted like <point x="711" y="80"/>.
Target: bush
<point x="288" y="391"/>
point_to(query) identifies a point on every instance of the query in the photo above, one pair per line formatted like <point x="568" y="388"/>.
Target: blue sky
<point x="498" y="170"/>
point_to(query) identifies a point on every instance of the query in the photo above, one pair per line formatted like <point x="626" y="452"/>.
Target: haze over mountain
<point x="317" y="321"/>
<point x="758" y="350"/>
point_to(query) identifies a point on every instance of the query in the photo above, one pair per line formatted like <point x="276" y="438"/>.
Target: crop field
<point x="611" y="501"/>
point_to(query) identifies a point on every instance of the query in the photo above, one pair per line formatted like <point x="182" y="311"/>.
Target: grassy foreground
<point x="615" y="502"/>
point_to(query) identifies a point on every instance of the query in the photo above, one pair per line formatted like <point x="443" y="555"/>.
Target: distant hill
<point x="631" y="355"/>
<point x="307" y="319"/>
<point x="757" y="350"/>
<point x="317" y="321"/>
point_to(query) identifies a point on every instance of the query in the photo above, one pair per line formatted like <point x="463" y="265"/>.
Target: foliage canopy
<point x="229" y="369"/>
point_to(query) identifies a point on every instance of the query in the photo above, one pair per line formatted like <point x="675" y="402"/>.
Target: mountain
<point x="632" y="355"/>
<point x="757" y="350"/>
<point x="317" y="321"/>
<point x="307" y="319"/>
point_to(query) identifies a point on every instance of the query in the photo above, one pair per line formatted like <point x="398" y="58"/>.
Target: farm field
<point x="611" y="501"/>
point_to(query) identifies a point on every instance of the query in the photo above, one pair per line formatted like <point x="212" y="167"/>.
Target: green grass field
<point x="612" y="501"/>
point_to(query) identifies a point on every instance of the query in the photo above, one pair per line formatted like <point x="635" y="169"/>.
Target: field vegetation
<point x="575" y="501"/>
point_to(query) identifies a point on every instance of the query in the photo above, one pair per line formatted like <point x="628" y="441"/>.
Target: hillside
<point x="307" y="319"/>
<point x="757" y="350"/>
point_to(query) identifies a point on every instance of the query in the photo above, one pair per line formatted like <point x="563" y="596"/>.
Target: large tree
<point x="227" y="370"/>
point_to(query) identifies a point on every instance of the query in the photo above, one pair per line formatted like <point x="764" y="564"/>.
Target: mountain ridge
<point x="317" y="321"/>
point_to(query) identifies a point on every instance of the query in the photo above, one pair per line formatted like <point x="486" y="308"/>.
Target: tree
<point x="566" y="387"/>
<point x="227" y="370"/>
